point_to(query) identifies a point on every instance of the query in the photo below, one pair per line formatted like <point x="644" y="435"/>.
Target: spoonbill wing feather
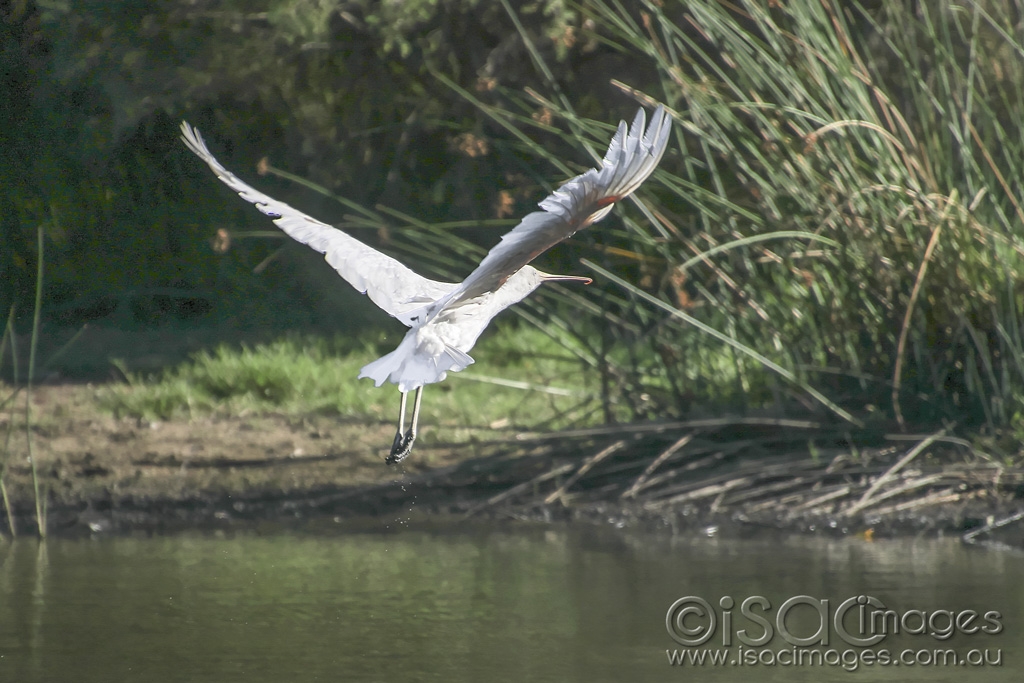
<point x="632" y="156"/>
<point x="392" y="286"/>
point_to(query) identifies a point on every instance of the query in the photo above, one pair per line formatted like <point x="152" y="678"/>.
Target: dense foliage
<point x="337" y="92"/>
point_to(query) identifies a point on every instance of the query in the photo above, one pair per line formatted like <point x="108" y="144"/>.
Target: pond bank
<point x="723" y="476"/>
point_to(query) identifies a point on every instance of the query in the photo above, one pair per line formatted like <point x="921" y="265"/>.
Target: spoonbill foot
<point x="401" y="447"/>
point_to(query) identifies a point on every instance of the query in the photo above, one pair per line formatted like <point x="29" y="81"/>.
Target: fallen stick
<point x="912" y="485"/>
<point x="842" y="491"/>
<point x="662" y="457"/>
<point x="774" y="487"/>
<point x="937" y="498"/>
<point x="518" y="488"/>
<point x="665" y="426"/>
<point x="584" y="468"/>
<point x="705" y="492"/>
<point x="683" y="469"/>
<point x="992" y="526"/>
<point x="865" y="500"/>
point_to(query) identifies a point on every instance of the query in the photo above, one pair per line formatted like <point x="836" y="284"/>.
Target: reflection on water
<point x="469" y="603"/>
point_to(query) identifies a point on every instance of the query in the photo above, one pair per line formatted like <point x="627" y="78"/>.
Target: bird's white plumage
<point x="632" y="155"/>
<point x="446" y="319"/>
<point x="389" y="284"/>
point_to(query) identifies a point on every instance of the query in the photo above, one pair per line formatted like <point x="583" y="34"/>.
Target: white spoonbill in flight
<point x="445" y="318"/>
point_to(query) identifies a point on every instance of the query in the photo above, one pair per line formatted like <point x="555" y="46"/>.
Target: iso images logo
<point x="813" y="632"/>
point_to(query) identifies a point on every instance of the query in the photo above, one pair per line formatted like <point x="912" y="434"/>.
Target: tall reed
<point x="8" y="337"/>
<point x="38" y="495"/>
<point x="40" y="504"/>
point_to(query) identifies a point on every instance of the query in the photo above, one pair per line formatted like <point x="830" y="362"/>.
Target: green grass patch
<point x="522" y="379"/>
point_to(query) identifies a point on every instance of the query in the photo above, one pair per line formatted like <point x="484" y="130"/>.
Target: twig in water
<point x="865" y="500"/>
<point x="586" y="467"/>
<point x="842" y="491"/>
<point x="708" y="461"/>
<point x="519" y="488"/>
<point x="665" y="455"/>
<point x="911" y="486"/>
<point x="704" y="492"/>
<point x="937" y="498"/>
<point x="999" y="523"/>
<point x="774" y="487"/>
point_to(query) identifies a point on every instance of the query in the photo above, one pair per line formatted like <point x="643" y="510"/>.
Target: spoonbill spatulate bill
<point x="445" y="318"/>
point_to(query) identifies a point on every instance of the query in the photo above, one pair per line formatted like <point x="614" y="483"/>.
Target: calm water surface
<point x="467" y="603"/>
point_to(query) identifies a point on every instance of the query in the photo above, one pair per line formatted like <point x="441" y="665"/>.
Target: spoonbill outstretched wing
<point x="446" y="319"/>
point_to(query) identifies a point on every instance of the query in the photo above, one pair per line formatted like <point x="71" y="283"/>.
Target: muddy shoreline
<point x="400" y="503"/>
<point x="716" y="476"/>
